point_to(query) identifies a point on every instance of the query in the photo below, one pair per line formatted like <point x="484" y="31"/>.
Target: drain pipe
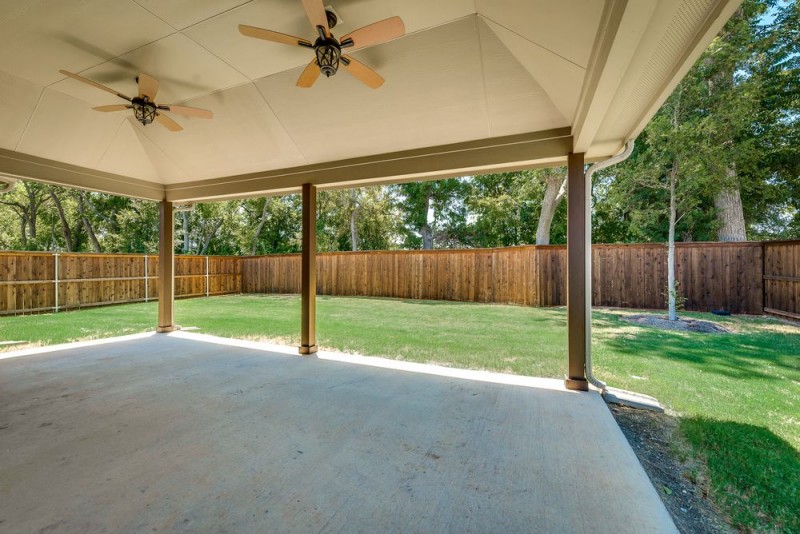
<point x="613" y="160"/>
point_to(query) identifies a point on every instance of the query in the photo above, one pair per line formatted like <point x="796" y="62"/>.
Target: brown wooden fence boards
<point x="738" y="277"/>
<point x="725" y="276"/>
<point x="28" y="279"/>
<point x="782" y="278"/>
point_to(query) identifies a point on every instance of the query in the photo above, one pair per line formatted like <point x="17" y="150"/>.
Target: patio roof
<point x="184" y="432"/>
<point x="474" y="85"/>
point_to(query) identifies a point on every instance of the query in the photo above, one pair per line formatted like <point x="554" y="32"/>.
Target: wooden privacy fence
<point x="710" y="275"/>
<point x="748" y="277"/>
<point x="37" y="281"/>
<point x="782" y="278"/>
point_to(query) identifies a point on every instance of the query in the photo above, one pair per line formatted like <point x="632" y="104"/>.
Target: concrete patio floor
<point x="185" y="433"/>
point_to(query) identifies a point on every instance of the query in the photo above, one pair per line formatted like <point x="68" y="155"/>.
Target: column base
<point x="306" y="349"/>
<point x="576" y="384"/>
<point x="166" y="329"/>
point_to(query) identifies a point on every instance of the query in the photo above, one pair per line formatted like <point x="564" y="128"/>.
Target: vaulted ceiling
<point x="473" y="85"/>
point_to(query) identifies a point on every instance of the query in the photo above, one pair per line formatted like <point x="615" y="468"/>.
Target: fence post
<point x="206" y="275"/>
<point x="146" y="279"/>
<point x="55" y="282"/>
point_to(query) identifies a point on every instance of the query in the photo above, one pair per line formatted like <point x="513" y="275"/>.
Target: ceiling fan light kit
<point x="145" y="109"/>
<point x="327" y="59"/>
<point x="327" y="49"/>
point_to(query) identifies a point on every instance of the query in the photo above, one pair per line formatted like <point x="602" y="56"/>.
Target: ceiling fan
<point x="328" y="50"/>
<point x="144" y="106"/>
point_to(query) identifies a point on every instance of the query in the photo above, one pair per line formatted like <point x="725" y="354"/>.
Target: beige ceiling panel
<point x="433" y="95"/>
<point x="166" y="167"/>
<point x="18" y="99"/>
<point x="244" y="136"/>
<point x="64" y="129"/>
<point x="566" y="28"/>
<point x="181" y="14"/>
<point x="560" y="79"/>
<point x="516" y="103"/>
<point x="256" y="58"/>
<point x="183" y="68"/>
<point x="126" y="156"/>
<point x="40" y="37"/>
<point x="417" y="15"/>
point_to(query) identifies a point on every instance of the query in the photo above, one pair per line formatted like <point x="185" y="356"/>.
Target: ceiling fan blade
<point x="275" y="37"/>
<point x="94" y="84"/>
<point x="316" y="15"/>
<point x="170" y="124"/>
<point x="362" y="72"/>
<point x="309" y="75"/>
<point x="376" y="33"/>
<point x="148" y="86"/>
<point x="189" y="112"/>
<point x="115" y="107"/>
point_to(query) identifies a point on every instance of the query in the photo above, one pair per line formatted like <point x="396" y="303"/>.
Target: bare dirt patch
<point x="681" y="325"/>
<point x="679" y="478"/>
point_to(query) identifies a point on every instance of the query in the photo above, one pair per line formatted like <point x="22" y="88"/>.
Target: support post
<point x="55" y="281"/>
<point x="206" y="275"/>
<point x="166" y="258"/>
<point x="579" y="273"/>
<point x="308" y="319"/>
<point x="146" y="279"/>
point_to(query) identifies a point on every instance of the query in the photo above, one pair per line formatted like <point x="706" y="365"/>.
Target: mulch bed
<point x="682" y="325"/>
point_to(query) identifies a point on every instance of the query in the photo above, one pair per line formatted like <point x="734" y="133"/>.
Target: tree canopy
<point x="727" y="140"/>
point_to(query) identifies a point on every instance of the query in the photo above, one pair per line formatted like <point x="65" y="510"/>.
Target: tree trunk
<point x="207" y="242"/>
<point x="672" y="290"/>
<point x="23" y="230"/>
<point x="354" y="209"/>
<point x="553" y="193"/>
<point x="261" y="222"/>
<point x="186" y="241"/>
<point x="66" y="233"/>
<point x="426" y="231"/>
<point x="33" y="211"/>
<point x="730" y="214"/>
<point x="87" y="224"/>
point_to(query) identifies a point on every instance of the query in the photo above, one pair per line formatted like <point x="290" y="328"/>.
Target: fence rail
<point x="36" y="282"/>
<point x="748" y="277"/>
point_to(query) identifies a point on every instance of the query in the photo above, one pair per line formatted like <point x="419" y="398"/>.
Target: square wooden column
<point x="166" y="270"/>
<point x="579" y="273"/>
<point x="308" y="272"/>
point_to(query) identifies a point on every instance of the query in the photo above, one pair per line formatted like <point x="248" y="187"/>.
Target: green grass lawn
<point x="737" y="395"/>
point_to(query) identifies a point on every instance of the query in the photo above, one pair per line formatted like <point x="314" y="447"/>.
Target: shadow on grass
<point x="736" y="355"/>
<point x="754" y="474"/>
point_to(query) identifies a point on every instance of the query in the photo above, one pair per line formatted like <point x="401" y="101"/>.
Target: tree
<point x="433" y="211"/>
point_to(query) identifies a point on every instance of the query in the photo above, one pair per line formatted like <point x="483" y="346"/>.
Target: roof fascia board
<point x="54" y="172"/>
<point x="500" y="153"/>
<point x="622" y="28"/>
<point x="722" y="12"/>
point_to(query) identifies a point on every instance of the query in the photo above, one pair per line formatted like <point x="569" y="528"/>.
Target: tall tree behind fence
<point x="739" y="277"/>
